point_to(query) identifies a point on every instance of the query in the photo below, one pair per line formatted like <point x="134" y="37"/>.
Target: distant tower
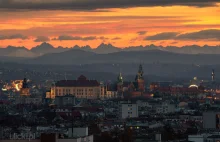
<point x="120" y="84"/>
<point x="25" y="91"/>
<point x="140" y="79"/>
<point x="213" y="75"/>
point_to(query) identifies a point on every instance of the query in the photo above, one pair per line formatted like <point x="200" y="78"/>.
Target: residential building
<point x="28" y="100"/>
<point x="128" y="110"/>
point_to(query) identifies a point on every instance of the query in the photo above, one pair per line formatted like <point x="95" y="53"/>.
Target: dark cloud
<point x="15" y="36"/>
<point x="210" y="34"/>
<point x="103" y="38"/>
<point x="162" y="36"/>
<point x="97" y="4"/>
<point x="141" y="32"/>
<point x="42" y="39"/>
<point x="116" y="38"/>
<point x="66" y="37"/>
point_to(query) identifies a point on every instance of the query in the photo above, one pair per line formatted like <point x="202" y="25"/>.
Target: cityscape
<point x="91" y="110"/>
<point x="109" y="71"/>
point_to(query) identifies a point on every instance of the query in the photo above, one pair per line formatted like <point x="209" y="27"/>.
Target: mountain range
<point x="46" y="48"/>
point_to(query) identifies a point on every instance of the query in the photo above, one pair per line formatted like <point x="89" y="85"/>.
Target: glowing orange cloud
<point x="123" y="23"/>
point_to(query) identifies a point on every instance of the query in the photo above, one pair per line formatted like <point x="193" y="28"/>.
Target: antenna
<point x="65" y="76"/>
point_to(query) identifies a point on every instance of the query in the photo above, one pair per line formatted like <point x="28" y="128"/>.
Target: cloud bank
<point x="15" y="36"/>
<point x="97" y="4"/>
<point x="42" y="39"/>
<point x="209" y="34"/>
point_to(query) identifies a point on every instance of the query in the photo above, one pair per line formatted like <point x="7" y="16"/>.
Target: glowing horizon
<point x="122" y="27"/>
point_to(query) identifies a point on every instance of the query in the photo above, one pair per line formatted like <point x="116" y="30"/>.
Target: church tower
<point x="140" y="79"/>
<point x="120" y="83"/>
<point x="213" y="75"/>
<point x="25" y="91"/>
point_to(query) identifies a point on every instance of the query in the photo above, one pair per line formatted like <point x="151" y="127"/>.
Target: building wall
<point x="78" y="132"/>
<point x="165" y="108"/>
<point x="141" y="85"/>
<point x="111" y="94"/>
<point x="128" y="110"/>
<point x="25" y="92"/>
<point x="210" y="120"/>
<point x="64" y="100"/>
<point x="79" y="92"/>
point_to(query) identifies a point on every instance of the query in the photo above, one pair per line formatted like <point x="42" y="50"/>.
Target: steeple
<point x="140" y="73"/>
<point x="25" y="84"/>
<point x="120" y="78"/>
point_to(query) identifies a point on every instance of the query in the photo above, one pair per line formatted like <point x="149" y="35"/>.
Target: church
<point x="132" y="89"/>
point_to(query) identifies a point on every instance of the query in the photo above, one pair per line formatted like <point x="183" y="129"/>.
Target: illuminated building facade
<point x="25" y="90"/>
<point x="80" y="88"/>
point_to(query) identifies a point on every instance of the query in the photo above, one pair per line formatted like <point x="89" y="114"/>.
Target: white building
<point x="78" y="132"/>
<point x="128" y="110"/>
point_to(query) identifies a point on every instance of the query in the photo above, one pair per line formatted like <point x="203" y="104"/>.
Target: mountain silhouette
<point x="46" y="48"/>
<point x="76" y="56"/>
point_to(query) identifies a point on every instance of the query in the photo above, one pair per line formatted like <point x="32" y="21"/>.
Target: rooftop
<point x="82" y="81"/>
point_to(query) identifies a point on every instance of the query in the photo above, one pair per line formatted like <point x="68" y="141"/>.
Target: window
<point x="129" y="108"/>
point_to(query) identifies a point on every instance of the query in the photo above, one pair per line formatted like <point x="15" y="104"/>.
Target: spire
<point x="140" y="73"/>
<point x="120" y="78"/>
<point x="140" y="70"/>
<point x="25" y="85"/>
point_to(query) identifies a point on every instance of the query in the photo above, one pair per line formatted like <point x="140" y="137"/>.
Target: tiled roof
<point x="80" y="82"/>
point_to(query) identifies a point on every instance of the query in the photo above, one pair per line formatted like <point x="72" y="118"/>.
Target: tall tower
<point x="140" y="79"/>
<point x="120" y="84"/>
<point x="25" y="91"/>
<point x="213" y="75"/>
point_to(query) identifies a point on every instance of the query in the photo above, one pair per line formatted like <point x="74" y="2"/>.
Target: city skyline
<point x="68" y="23"/>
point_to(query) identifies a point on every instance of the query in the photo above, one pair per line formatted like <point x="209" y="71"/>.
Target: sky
<point x="122" y="23"/>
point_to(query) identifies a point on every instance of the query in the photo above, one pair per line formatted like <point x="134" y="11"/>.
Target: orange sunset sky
<point x="23" y="23"/>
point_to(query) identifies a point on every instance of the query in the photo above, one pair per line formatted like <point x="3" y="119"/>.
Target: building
<point x="25" y="90"/>
<point x="80" y="88"/>
<point x="128" y="110"/>
<point x="211" y="120"/>
<point x="165" y="108"/>
<point x="131" y="89"/>
<point x="67" y="100"/>
<point x="29" y="100"/>
<point x="78" y="132"/>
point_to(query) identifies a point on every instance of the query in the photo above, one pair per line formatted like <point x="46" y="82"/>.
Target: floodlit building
<point x="80" y="88"/>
